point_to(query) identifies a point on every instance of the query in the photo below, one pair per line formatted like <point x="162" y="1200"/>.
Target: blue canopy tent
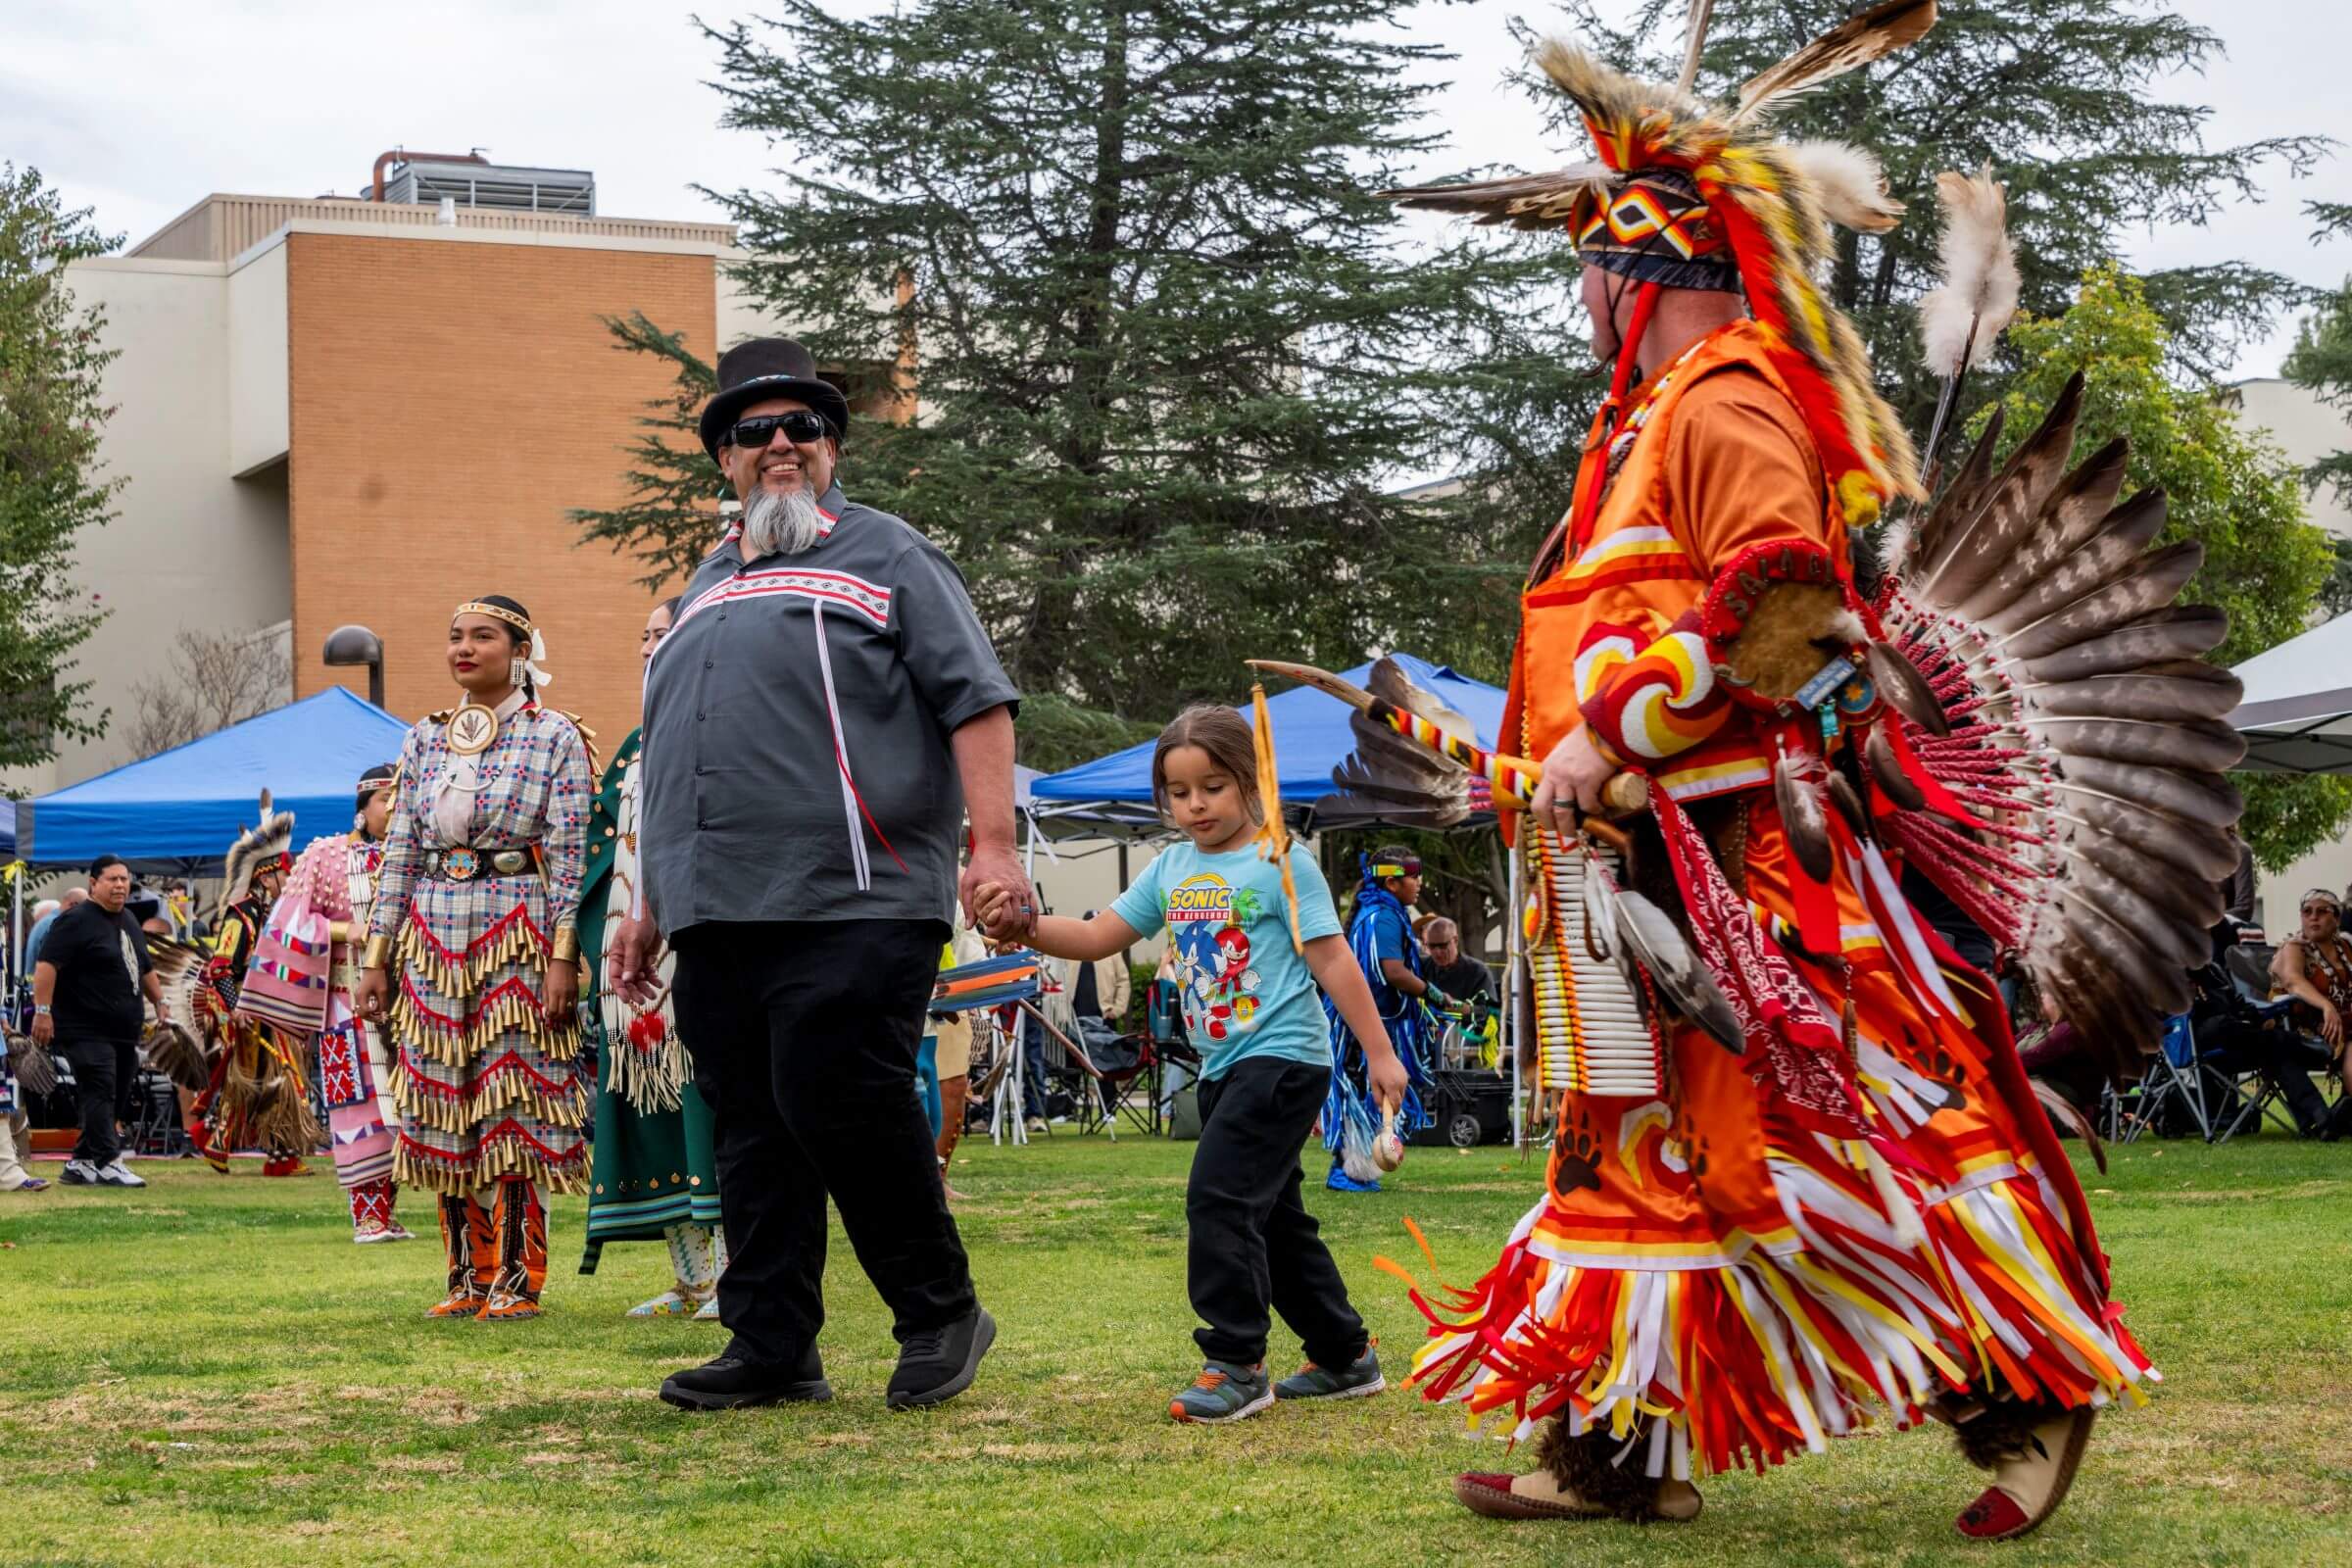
<point x="179" y="809"/>
<point x="1311" y="737"/>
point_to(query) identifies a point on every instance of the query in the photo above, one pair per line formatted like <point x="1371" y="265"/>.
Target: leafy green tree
<point x="50" y="489"/>
<point x="2062" y="98"/>
<point x="2227" y="486"/>
<point x="1172" y="352"/>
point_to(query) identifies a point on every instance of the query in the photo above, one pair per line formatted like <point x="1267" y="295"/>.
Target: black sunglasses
<point x="800" y="425"/>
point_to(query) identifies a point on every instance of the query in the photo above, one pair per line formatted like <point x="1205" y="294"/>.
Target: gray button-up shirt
<point x="796" y="763"/>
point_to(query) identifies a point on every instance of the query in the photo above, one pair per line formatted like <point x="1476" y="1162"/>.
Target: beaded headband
<point x="495" y="612"/>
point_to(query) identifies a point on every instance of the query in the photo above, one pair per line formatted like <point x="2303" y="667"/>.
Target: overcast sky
<point x="140" y="107"/>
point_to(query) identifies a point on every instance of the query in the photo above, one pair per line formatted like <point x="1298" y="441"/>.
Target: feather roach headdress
<point x="1688" y="194"/>
<point x="262" y="844"/>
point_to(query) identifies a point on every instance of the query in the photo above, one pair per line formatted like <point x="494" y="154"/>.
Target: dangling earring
<point x="515" y="667"/>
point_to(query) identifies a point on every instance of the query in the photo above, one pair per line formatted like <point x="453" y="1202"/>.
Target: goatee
<point x="780" y="523"/>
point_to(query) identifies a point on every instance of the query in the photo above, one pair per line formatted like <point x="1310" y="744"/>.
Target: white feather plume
<point x="1852" y="185"/>
<point x="1960" y="319"/>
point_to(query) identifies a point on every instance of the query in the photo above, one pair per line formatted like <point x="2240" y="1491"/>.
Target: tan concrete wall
<point x="2309" y="431"/>
<point x="190" y="548"/>
<point x="449" y="402"/>
<point x="257" y="361"/>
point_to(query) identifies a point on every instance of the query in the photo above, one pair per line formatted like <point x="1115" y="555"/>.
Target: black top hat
<point x="765" y="367"/>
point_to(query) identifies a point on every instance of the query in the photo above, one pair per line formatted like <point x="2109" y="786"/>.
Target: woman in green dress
<point x="655" y="1177"/>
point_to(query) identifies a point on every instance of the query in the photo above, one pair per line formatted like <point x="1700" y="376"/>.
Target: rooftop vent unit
<point x="495" y="187"/>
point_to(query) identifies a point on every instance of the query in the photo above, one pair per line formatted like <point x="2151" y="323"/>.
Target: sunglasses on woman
<point x="799" y="426"/>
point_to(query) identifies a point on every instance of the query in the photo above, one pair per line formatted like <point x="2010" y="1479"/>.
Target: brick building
<point x="337" y="411"/>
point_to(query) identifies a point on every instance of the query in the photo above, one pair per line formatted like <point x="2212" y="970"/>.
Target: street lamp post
<point x="357" y="645"/>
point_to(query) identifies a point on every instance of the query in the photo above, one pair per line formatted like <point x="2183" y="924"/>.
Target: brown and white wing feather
<point x="1396" y="779"/>
<point x="2085" y="733"/>
<point x="1522" y="201"/>
<point x="1852" y="45"/>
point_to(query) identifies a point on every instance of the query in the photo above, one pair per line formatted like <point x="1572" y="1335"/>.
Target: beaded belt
<point x="465" y="863"/>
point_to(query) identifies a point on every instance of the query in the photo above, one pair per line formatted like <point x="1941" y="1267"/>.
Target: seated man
<point x="1450" y="969"/>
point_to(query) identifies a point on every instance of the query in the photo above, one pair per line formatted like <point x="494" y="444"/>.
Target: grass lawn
<point x="209" y="1372"/>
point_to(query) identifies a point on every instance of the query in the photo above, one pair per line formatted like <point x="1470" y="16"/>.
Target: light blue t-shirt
<point x="1246" y="992"/>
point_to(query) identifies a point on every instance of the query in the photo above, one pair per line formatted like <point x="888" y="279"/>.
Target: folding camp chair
<point x="2170" y="1085"/>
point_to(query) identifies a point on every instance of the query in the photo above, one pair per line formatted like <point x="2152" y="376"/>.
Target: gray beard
<point x="779" y="522"/>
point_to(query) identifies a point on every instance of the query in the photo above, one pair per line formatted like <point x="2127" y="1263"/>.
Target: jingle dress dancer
<point x="318" y="926"/>
<point x="259" y="1092"/>
<point x="477" y="902"/>
<point x="657" y="1178"/>
<point x="1797" y="1174"/>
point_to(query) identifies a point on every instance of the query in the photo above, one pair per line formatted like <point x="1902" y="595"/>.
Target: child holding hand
<point x="1250" y="1008"/>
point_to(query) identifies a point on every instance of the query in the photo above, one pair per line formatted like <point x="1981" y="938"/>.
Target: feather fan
<point x="1394" y="778"/>
<point x="1872" y="35"/>
<point x="1978" y="296"/>
<point x="179" y="968"/>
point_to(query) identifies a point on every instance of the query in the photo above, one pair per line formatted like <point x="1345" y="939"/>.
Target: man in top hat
<point x="822" y="714"/>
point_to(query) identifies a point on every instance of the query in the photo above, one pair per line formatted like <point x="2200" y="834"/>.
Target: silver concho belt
<point x="466" y="863"/>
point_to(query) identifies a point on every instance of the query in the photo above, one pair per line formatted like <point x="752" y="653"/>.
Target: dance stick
<point x="1510" y="779"/>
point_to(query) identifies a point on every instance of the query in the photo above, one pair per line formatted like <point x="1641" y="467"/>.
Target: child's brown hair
<point x="1228" y="740"/>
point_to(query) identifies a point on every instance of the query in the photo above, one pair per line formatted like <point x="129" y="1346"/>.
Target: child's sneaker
<point x="1223" y="1392"/>
<point x="1353" y="1381"/>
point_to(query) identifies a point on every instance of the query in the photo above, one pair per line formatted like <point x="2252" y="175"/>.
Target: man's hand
<point x="1388" y="1080"/>
<point x="44" y="1029"/>
<point x="998" y="864"/>
<point x="561" y="996"/>
<point x="1573" y="777"/>
<point x="632" y="951"/>
<point x="374" y="994"/>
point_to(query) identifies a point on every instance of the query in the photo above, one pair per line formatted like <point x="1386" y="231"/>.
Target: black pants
<point x="97" y="1070"/>
<point x="803" y="1037"/>
<point x="1253" y="1244"/>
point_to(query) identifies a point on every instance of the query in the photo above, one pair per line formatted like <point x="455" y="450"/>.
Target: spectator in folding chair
<point x="2315" y="968"/>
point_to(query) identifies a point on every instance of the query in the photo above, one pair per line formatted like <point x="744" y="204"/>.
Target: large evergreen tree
<point x="2060" y="98"/>
<point x="49" y="488"/>
<point x="1172" y="353"/>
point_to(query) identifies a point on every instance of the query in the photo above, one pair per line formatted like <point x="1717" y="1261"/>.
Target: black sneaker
<point x="732" y="1383"/>
<point x="938" y="1364"/>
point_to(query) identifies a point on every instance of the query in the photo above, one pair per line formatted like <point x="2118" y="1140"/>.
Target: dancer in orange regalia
<point x="1797" y="1175"/>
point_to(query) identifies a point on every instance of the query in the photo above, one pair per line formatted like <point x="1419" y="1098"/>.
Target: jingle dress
<point x="493" y="1094"/>
<point x="655" y="1176"/>
<point x="1732" y="1265"/>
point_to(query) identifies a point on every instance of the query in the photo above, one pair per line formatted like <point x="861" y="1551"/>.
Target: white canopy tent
<point x="2296" y="713"/>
